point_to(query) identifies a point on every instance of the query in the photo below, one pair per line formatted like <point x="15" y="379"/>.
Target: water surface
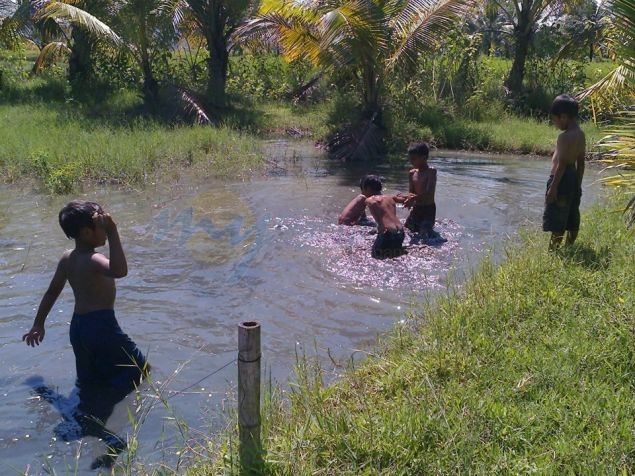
<point x="311" y="284"/>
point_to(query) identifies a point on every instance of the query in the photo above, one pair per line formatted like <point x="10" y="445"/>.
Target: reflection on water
<point x="313" y="288"/>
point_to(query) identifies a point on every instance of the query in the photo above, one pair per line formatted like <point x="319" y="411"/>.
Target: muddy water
<point x="205" y="256"/>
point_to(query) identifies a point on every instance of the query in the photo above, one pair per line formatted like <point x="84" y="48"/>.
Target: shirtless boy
<point x="390" y="233"/>
<point x="564" y="187"/>
<point x="107" y="361"/>
<point x="354" y="212"/>
<point x="422" y="183"/>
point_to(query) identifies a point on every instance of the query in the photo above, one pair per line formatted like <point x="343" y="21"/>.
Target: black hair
<point x="77" y="215"/>
<point x="372" y="181"/>
<point x="419" y="148"/>
<point x="564" y="104"/>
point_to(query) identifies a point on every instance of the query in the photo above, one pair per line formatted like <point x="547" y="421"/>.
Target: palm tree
<point x="587" y="25"/>
<point x="524" y="16"/>
<point x="144" y="29"/>
<point x="619" y="145"/>
<point x="217" y="21"/>
<point x="367" y="38"/>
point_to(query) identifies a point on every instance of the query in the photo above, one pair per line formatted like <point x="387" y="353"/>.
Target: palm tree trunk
<point x="80" y="65"/>
<point x="150" y="85"/>
<point x="523" y="32"/>
<point x="217" y="65"/>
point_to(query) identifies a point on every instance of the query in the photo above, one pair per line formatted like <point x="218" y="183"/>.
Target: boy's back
<point x="93" y="290"/>
<point x="384" y="211"/>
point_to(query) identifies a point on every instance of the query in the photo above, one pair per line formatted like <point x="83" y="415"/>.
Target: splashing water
<point x="345" y="252"/>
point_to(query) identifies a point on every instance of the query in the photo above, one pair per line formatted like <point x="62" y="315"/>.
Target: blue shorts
<point x="388" y="244"/>
<point x="104" y="355"/>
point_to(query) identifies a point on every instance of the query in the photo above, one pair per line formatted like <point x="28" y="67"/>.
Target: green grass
<point x="62" y="148"/>
<point x="527" y="136"/>
<point x="526" y="368"/>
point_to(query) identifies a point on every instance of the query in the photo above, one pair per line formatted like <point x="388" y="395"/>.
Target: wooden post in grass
<point x="249" y="398"/>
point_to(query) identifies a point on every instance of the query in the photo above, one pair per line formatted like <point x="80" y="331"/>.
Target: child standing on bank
<point x="564" y="187"/>
<point x="105" y="357"/>
<point x="422" y="181"/>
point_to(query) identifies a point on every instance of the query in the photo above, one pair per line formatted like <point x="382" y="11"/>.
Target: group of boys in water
<point x="562" y="198"/>
<point x="422" y="180"/>
<point x="109" y="363"/>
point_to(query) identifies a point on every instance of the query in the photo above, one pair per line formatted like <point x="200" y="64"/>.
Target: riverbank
<point x="63" y="148"/>
<point x="528" y="367"/>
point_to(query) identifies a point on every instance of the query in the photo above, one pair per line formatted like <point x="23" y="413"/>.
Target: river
<point x="312" y="286"/>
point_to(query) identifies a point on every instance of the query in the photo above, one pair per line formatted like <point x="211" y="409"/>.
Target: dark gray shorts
<point x="563" y="214"/>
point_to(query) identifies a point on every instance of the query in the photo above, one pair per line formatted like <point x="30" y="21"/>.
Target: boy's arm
<point x="116" y="266"/>
<point x="354" y="211"/>
<point x="403" y="197"/>
<point x="411" y="183"/>
<point x="580" y="166"/>
<point x="561" y="165"/>
<point x="431" y="183"/>
<point x="36" y="334"/>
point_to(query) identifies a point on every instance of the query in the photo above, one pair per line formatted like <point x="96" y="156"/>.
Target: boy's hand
<point x="34" y="336"/>
<point x="552" y="195"/>
<point x="105" y="221"/>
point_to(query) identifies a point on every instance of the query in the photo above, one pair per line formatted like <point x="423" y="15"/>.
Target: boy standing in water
<point x="422" y="183"/>
<point x="108" y="362"/>
<point x="564" y="187"/>
<point x="390" y="233"/>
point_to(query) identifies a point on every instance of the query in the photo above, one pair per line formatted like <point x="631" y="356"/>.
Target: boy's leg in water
<point x="96" y="405"/>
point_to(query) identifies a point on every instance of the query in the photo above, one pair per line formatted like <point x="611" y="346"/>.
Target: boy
<point x="107" y="361"/>
<point x="355" y="212"/>
<point x="390" y="234"/>
<point x="564" y="187"/>
<point x="422" y="181"/>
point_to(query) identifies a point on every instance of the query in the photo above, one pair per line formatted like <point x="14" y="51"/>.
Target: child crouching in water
<point x="390" y="232"/>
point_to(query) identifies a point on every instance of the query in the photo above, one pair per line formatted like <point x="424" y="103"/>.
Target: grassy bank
<point x="527" y="368"/>
<point x="62" y="149"/>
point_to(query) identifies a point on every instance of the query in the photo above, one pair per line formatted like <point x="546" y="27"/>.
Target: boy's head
<point x="77" y="215"/>
<point x="418" y="153"/>
<point x="371" y="185"/>
<point x="564" y="109"/>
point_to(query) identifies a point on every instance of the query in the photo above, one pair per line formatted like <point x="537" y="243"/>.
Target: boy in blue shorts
<point x="109" y="364"/>
<point x="564" y="187"/>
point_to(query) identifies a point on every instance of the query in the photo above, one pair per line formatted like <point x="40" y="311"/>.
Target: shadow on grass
<point x="586" y="256"/>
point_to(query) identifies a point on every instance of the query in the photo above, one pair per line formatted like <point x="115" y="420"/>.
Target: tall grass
<point x="63" y="149"/>
<point x="526" y="368"/>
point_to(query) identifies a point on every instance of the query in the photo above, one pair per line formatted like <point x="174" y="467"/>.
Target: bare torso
<point x="93" y="290"/>
<point x="384" y="211"/>
<point x="570" y="148"/>
<point x="422" y="182"/>
<point x="354" y="211"/>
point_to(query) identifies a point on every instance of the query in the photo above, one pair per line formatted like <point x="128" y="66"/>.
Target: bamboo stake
<point x="250" y="450"/>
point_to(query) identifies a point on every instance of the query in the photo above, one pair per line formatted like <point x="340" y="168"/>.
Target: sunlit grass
<point x="63" y="149"/>
<point x="528" y="136"/>
<point x="528" y="367"/>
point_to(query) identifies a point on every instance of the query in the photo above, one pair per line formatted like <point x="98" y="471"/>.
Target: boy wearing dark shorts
<point x="422" y="182"/>
<point x="109" y="364"/>
<point x="564" y="187"/>
<point x="390" y="232"/>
